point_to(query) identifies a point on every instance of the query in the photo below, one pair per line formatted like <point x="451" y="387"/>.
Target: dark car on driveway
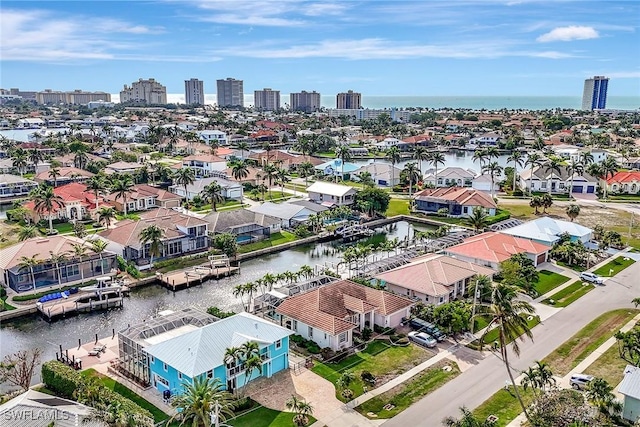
<point x="428" y="327"/>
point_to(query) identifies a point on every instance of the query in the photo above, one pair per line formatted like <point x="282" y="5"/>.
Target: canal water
<point x="145" y="302"/>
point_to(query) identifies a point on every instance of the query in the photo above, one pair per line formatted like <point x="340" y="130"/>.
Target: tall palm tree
<point x="492" y="152"/>
<point x="552" y="165"/>
<point x="36" y="157"/>
<point x="586" y="158"/>
<point x="122" y="186"/>
<point x="574" y="168"/>
<point x="242" y="146"/>
<point x="344" y="154"/>
<point x="509" y="315"/>
<point x="27" y="232"/>
<point x="436" y="158"/>
<point x="534" y="160"/>
<point x="80" y="159"/>
<point x="153" y="236"/>
<point x="517" y="157"/>
<point x="420" y="153"/>
<point x="27" y="263"/>
<point x="270" y="173"/>
<point x="239" y="171"/>
<point x="19" y="160"/>
<point x="478" y="218"/>
<point x="202" y="402"/>
<point x="46" y="200"/>
<point x="393" y="154"/>
<point x="306" y="170"/>
<point x="239" y="291"/>
<point x="608" y="167"/>
<point x="79" y="250"/>
<point x="413" y="174"/>
<point x="572" y="211"/>
<point x="99" y="246"/>
<point x="185" y="177"/>
<point x="57" y="260"/>
<point x="97" y="185"/>
<point x="481" y="156"/>
<point x="54" y="173"/>
<point x="106" y="215"/>
<point x="212" y="193"/>
<point x="493" y="169"/>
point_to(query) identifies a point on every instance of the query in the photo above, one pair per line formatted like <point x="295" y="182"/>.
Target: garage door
<point x="577" y="188"/>
<point x="591" y="189"/>
<point x="541" y="258"/>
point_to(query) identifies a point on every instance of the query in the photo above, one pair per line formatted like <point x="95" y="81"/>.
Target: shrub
<point x="302" y="231"/>
<point x="60" y="378"/>
<point x="366" y="334"/>
<point x="327" y="353"/>
<point x="215" y="311"/>
<point x="368" y="377"/>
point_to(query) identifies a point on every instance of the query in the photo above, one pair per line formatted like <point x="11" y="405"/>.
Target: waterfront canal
<point x="145" y="302"/>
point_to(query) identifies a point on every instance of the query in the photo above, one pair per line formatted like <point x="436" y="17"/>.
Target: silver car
<point x="580" y="381"/>
<point x="591" y="277"/>
<point x="423" y="338"/>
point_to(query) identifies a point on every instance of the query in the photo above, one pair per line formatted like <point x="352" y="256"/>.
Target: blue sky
<point x="419" y="47"/>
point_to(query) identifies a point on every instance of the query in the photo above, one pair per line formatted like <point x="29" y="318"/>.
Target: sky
<point x="419" y="47"/>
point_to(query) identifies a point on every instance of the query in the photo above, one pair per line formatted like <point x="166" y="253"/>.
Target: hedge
<point x="500" y="215"/>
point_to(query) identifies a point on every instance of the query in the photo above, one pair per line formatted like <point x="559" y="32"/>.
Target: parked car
<point x="591" y="277"/>
<point x="428" y="327"/>
<point x="580" y="381"/>
<point x="423" y="339"/>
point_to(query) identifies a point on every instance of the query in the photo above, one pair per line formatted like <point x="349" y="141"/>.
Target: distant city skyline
<point x="435" y="48"/>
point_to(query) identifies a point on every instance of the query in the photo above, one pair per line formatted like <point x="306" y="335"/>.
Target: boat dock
<point x="217" y="268"/>
<point x="79" y="304"/>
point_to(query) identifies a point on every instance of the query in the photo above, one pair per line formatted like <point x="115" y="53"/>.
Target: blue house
<point x="179" y="355"/>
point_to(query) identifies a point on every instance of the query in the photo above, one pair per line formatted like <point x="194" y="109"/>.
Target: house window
<point x="179" y="375"/>
<point x="162" y="380"/>
<point x="465" y="209"/>
<point x="342" y="337"/>
<point x="278" y="344"/>
<point x="441" y="300"/>
<point x="153" y="359"/>
<point x="310" y="333"/>
<point x="210" y="374"/>
<point x="70" y="270"/>
<point x="543" y="184"/>
<point x="295" y="325"/>
<point x="165" y="367"/>
<point x="325" y="335"/>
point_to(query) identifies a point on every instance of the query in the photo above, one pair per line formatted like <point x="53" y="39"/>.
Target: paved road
<point x="474" y="386"/>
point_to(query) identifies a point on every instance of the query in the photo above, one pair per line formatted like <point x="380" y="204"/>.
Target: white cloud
<point x="569" y="33"/>
<point x="624" y="75"/>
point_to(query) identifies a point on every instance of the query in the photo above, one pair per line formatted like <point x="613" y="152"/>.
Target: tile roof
<point x="328" y="307"/>
<point x="144" y="190"/>
<point x="542" y="174"/>
<point x="281" y="210"/>
<point x="40" y="247"/>
<point x="72" y="192"/>
<point x="224" y="221"/>
<point x="495" y="247"/>
<point x="459" y="195"/>
<point x="624" y="177"/>
<point x="68" y="172"/>
<point x="12" y="179"/>
<point x="207" y="158"/>
<point x="433" y="274"/>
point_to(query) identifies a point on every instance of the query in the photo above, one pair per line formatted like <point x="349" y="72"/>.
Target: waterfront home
<point x="489" y="138"/>
<point x="290" y="215"/>
<point x="178" y="356"/>
<point x="544" y="180"/>
<point x="205" y="164"/>
<point x="144" y="197"/>
<point x="6" y="166"/>
<point x="15" y="186"/>
<point x="483" y="183"/>
<point x="246" y="225"/>
<point x="44" y="272"/>
<point x="66" y="175"/>
<point x="329" y="315"/>
<point x="491" y="248"/>
<point x="434" y="279"/>
<point x="623" y="182"/>
<point x="449" y="177"/>
<point x="335" y="168"/>
<point x="182" y="235"/>
<point x="548" y="231"/>
<point x="314" y="207"/>
<point x="630" y="389"/>
<point x="457" y="201"/>
<point x="231" y="190"/>
<point x="285" y="160"/>
<point x="330" y="194"/>
<point x="79" y="203"/>
<point x="35" y="409"/>
<point x="123" y="167"/>
<point x="213" y="136"/>
<point x="383" y="174"/>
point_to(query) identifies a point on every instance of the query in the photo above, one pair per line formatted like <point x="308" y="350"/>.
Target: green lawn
<point x="378" y="358"/>
<point x="585" y="341"/>
<point x="405" y="394"/>
<point x="397" y="207"/>
<point x="492" y="335"/>
<point x="275" y="239"/>
<point x="158" y="415"/>
<point x="617" y="265"/>
<point x="548" y="280"/>
<point x="569" y="294"/>
<point x="504" y="405"/>
<point x="265" y="417"/>
<point x="609" y="366"/>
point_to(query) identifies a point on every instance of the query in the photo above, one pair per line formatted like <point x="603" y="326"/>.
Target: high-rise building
<point x="194" y="92"/>
<point x="230" y="93"/>
<point x="148" y="91"/>
<point x="594" y="96"/>
<point x="75" y="97"/>
<point x="266" y="99"/>
<point x="304" y="101"/>
<point x="349" y="100"/>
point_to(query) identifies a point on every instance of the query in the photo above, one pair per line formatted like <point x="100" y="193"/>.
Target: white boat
<point x="105" y="284"/>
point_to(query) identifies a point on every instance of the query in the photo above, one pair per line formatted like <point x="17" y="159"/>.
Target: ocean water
<point x="470" y="102"/>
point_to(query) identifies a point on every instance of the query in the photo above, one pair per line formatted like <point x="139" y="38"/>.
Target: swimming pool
<point x="243" y="239"/>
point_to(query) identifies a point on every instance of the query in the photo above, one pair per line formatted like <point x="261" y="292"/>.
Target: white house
<point x="212" y="135"/>
<point x="544" y="180"/>
<point x="230" y="189"/>
<point x="388" y="143"/>
<point x="15" y="186"/>
<point x="205" y="164"/>
<point x="449" y="177"/>
<point x="331" y="194"/>
<point x="383" y="174"/>
<point x="490" y="138"/>
<point x="483" y="183"/>
<point x="548" y="230"/>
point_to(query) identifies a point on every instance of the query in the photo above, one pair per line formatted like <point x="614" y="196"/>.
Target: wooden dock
<point x="80" y="304"/>
<point x="181" y="279"/>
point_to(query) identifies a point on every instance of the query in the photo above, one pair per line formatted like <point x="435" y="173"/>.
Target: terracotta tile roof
<point x="64" y="172"/>
<point x="433" y="274"/>
<point x="496" y="247"/>
<point x="70" y="193"/>
<point x="462" y="196"/>
<point x="416" y="139"/>
<point x="144" y="190"/>
<point x="40" y="247"/>
<point x="207" y="158"/>
<point x="622" y="177"/>
<point x="329" y="307"/>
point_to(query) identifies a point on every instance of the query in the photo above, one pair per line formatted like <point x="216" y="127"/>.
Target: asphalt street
<point x="480" y="382"/>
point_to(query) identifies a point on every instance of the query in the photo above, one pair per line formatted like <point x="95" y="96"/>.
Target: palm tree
<point x="283" y="178"/>
<point x="420" y="153"/>
<point x="79" y="250"/>
<point x="19" y="160"/>
<point x="600" y="393"/>
<point x="239" y="291"/>
<point x="203" y="402"/>
<point x="536" y="203"/>
<point x="301" y="408"/>
<point x="122" y="186"/>
<point x="27" y="263"/>
<point x="306" y="170"/>
<point x="547" y="201"/>
<point x="393" y="154"/>
<point x="185" y="176"/>
<point x="306" y="271"/>
<point x="366" y="179"/>
<point x="57" y="259"/>
<point x="436" y="158"/>
<point x="467" y="420"/>
<point x="493" y="169"/>
<point x="231" y="356"/>
<point x="608" y="167"/>
<point x="412" y="173"/>
<point x="239" y="171"/>
<point x="270" y="174"/>
<point x="572" y="168"/>
<point x="344" y="382"/>
<point x="250" y="351"/>
<point x="36" y="157"/>
<point x="492" y="152"/>
<point x="99" y="246"/>
<point x="27" y="232"/>
<point x="242" y="146"/>
<point x="517" y="157"/>
<point x="586" y="158"/>
<point x="534" y="160"/>
<point x="552" y="165"/>
<point x="481" y="156"/>
<point x="545" y="376"/>
<point x="54" y="173"/>
<point x="344" y="154"/>
<point x="152" y="235"/>
<point x="212" y="193"/>
<point x="97" y="185"/>
<point x="572" y="211"/>
<point x="478" y="218"/>
<point x="80" y="159"/>
<point x="46" y="200"/>
<point x="509" y="317"/>
<point x="106" y="215"/>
